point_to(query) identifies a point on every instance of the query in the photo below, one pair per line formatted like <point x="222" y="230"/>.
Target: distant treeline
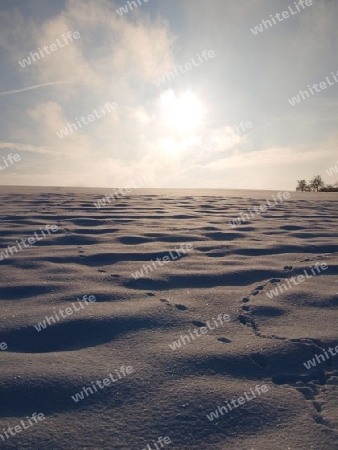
<point x="316" y="185"/>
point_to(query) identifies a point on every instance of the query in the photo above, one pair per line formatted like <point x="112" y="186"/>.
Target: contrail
<point x="28" y="148"/>
<point x="33" y="87"/>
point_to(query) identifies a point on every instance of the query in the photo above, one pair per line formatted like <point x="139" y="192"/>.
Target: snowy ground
<point x="208" y="282"/>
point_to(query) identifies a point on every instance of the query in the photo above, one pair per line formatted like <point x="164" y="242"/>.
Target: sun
<point x="183" y="113"/>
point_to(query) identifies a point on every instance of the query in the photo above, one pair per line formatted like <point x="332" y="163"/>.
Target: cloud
<point x="270" y="168"/>
<point x="49" y="118"/>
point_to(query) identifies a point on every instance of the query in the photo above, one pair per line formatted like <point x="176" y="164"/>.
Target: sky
<point x="101" y="109"/>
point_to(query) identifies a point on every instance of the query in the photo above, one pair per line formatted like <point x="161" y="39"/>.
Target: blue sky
<point x="161" y="128"/>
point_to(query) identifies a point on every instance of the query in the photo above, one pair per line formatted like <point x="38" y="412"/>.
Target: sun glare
<point x="184" y="113"/>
